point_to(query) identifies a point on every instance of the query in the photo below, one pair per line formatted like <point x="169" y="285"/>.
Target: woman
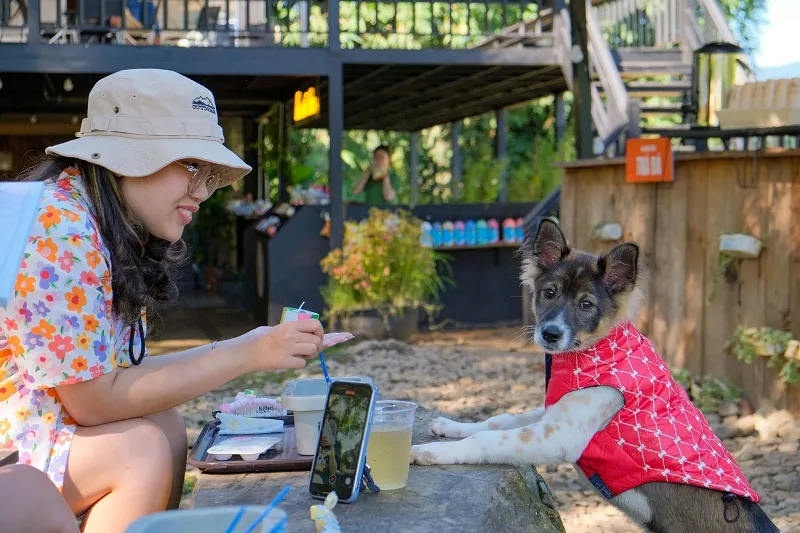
<point x="24" y="493"/>
<point x="79" y="397"/>
<point x="379" y="182"/>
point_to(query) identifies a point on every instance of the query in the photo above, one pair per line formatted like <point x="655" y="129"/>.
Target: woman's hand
<point x="286" y="345"/>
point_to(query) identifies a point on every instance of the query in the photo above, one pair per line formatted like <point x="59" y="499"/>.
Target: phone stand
<point x="367" y="481"/>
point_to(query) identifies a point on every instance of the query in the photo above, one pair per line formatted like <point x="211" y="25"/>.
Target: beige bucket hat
<point x="141" y="120"/>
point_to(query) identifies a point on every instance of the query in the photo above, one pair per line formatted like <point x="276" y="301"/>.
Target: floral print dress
<point x="58" y="328"/>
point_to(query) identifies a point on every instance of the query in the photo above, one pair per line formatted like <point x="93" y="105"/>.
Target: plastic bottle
<point x="520" y="229"/>
<point x="448" y="233"/>
<point x="509" y="230"/>
<point x="470" y="233"/>
<point x="459" y="236"/>
<point x="494" y="231"/>
<point x="426" y="238"/>
<point x="436" y="234"/>
<point x="483" y="232"/>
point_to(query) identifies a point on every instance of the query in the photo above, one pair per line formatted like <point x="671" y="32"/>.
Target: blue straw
<point x="325" y="369"/>
<point x="321" y="358"/>
<point x="236" y="519"/>
<point x="268" y="510"/>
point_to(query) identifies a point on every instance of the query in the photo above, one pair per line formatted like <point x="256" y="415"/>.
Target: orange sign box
<point x="649" y="161"/>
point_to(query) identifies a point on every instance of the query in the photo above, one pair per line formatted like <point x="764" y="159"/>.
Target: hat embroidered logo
<point x="204" y="103"/>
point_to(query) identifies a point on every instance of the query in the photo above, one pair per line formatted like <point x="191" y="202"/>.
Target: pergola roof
<point x="400" y="90"/>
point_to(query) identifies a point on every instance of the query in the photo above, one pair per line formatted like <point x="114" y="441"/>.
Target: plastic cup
<point x="207" y="520"/>
<point x="390" y="443"/>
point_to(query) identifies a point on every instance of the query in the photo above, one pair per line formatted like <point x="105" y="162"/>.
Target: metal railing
<point x="411" y="24"/>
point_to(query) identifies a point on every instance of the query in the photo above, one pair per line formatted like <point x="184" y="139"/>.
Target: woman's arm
<point x="359" y="188"/>
<point x="163" y="382"/>
<point x="388" y="190"/>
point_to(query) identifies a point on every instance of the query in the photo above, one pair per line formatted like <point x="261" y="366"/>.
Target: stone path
<point x="478" y="374"/>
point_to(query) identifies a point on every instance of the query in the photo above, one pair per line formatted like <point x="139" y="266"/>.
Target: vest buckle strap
<point x="731" y="511"/>
<point x="599" y="485"/>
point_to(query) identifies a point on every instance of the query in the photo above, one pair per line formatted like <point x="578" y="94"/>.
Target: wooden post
<point x="335" y="127"/>
<point x="560" y="117"/>
<point x="32" y="20"/>
<point x="501" y="150"/>
<point x="456" y="161"/>
<point x="250" y="135"/>
<point x="414" y="168"/>
<point x="582" y="96"/>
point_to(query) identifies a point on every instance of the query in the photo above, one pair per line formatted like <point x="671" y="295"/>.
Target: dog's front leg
<point x="444" y="427"/>
<point x="559" y="437"/>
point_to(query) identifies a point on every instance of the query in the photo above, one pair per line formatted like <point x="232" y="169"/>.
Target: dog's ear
<point x="620" y="267"/>
<point x="548" y="246"/>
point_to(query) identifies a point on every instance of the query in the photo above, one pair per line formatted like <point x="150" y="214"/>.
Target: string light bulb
<point x="68" y="86"/>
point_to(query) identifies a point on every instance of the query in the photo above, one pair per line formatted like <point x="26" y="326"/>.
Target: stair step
<point x="654" y="88"/>
<point x="667" y="108"/>
<point x="652" y="62"/>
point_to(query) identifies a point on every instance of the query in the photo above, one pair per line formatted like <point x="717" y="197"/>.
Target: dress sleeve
<point x="58" y="323"/>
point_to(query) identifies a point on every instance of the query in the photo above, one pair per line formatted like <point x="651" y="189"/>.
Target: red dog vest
<point x="658" y="435"/>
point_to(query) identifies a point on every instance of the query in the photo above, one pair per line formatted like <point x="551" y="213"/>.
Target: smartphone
<point x="338" y="463"/>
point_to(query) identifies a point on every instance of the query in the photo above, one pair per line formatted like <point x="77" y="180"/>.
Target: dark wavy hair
<point x="144" y="268"/>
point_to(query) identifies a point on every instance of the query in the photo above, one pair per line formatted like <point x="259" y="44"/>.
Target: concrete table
<point x="438" y="499"/>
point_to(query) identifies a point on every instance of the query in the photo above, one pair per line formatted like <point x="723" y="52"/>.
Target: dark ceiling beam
<point x="521" y="57"/>
<point x="104" y="59"/>
<point x="488" y="103"/>
<point x="410" y="96"/>
<point x="373" y="73"/>
<point x="405" y="106"/>
<point x="364" y="102"/>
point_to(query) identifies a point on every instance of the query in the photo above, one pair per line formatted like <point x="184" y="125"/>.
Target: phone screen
<point x="341" y="438"/>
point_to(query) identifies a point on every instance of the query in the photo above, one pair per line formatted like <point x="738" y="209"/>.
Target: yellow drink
<point x="387" y="455"/>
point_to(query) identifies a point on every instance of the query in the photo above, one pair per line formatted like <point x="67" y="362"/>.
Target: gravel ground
<point x="474" y="375"/>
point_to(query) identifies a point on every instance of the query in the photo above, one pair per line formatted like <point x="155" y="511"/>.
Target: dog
<point x="612" y="408"/>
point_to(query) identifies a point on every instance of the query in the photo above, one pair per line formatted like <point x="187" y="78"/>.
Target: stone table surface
<point x="438" y="499"/>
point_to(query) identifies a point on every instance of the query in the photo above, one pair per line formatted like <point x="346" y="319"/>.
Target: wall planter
<point x="740" y="246"/>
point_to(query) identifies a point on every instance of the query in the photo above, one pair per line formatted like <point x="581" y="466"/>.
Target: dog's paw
<point x="443" y="427"/>
<point x="421" y="454"/>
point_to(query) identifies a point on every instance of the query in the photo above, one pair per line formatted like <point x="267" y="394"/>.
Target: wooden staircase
<point x="640" y="55"/>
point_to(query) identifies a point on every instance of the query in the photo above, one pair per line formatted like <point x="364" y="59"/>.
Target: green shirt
<point x="373" y="190"/>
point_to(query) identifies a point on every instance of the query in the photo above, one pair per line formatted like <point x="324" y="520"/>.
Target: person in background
<point x="379" y="182"/>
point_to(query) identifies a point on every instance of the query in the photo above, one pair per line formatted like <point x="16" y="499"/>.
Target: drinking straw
<point x="321" y="358"/>
<point x="236" y="519"/>
<point x="269" y="509"/>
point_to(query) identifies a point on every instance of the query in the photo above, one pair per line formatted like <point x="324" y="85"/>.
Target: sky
<point x="778" y="29"/>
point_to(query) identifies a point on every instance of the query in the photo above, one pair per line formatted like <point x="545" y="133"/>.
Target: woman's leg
<point x="117" y="473"/>
<point x="29" y="501"/>
<point x="171" y="423"/>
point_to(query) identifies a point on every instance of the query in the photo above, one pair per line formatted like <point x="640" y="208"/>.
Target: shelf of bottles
<point x="473" y="234"/>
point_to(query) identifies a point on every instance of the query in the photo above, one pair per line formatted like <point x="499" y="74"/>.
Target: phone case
<point x="359" y="474"/>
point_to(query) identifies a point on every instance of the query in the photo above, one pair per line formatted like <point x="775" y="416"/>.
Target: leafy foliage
<point x="707" y="393"/>
<point x="749" y="344"/>
<point x="382" y="266"/>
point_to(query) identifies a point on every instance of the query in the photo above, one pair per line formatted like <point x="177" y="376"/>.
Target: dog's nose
<point x="551" y="333"/>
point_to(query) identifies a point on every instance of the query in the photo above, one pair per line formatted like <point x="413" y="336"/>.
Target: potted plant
<point x="382" y="276"/>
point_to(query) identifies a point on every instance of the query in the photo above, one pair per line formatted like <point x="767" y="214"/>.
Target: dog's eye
<point x="549" y="293"/>
<point x="586" y="305"/>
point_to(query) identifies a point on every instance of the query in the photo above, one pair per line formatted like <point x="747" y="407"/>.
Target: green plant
<point x="748" y="344"/>
<point x="707" y="393"/>
<point x="382" y="266"/>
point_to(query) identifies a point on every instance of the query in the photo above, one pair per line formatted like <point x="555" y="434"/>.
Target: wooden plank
<point x="793" y="396"/>
<point x="751" y="295"/>
<point x="695" y="270"/>
<point x="777" y="268"/>
<point x="669" y="267"/>
<point x="723" y="215"/>
<point x="567" y="201"/>
<point x="638" y="210"/>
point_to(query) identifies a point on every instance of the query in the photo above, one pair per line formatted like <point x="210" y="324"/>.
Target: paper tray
<point x="282" y="457"/>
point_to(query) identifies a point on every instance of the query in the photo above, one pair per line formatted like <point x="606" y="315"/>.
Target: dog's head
<point x="577" y="297"/>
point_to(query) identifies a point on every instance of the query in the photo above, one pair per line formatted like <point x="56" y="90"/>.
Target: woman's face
<point x="161" y="201"/>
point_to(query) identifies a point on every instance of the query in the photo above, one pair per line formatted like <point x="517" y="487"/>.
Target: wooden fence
<point x="695" y="300"/>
